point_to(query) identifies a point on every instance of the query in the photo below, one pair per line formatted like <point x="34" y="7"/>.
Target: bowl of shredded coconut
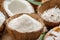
<point x="25" y="26"/>
<point x="50" y="13"/>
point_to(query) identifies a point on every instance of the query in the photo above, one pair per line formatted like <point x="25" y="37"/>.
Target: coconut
<point x="25" y="27"/>
<point x="2" y="20"/>
<point x="49" y="9"/>
<point x="53" y="34"/>
<point x="14" y="7"/>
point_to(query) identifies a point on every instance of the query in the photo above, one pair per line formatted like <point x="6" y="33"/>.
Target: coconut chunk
<point x="2" y="18"/>
<point x="51" y="15"/>
<point x="25" y="23"/>
<point x="17" y="6"/>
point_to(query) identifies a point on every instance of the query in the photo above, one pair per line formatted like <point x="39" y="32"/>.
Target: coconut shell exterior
<point x="35" y="6"/>
<point x="2" y="9"/>
<point x="6" y="36"/>
<point x="4" y="12"/>
<point x="48" y="34"/>
<point x="24" y="36"/>
<point x="48" y="5"/>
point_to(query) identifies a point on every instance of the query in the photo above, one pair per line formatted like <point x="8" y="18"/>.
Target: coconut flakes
<point x="51" y="15"/>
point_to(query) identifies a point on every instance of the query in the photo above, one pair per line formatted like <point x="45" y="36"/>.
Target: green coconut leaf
<point x="34" y="2"/>
<point x="42" y="36"/>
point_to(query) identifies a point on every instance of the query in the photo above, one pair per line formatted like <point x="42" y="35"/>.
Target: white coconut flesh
<point x="25" y="23"/>
<point x="51" y="15"/>
<point x="18" y="6"/>
<point x="2" y="18"/>
<point x="54" y="35"/>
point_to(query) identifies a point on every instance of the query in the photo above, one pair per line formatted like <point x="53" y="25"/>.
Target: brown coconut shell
<point x="2" y="27"/>
<point x="48" y="5"/>
<point x="57" y="29"/>
<point x="24" y="36"/>
<point x="2" y="9"/>
<point x="35" y="6"/>
<point x="1" y="1"/>
<point x="4" y="12"/>
<point x="6" y="36"/>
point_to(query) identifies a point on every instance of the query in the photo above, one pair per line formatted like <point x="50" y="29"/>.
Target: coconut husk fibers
<point x="48" y="5"/>
<point x="24" y="36"/>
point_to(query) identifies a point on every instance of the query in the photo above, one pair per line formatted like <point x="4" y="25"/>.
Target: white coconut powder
<point x="51" y="15"/>
<point x="2" y="18"/>
<point x="54" y="35"/>
<point x="25" y="23"/>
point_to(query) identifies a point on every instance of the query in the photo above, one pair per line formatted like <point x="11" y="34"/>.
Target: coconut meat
<point x="25" y="23"/>
<point x="2" y="18"/>
<point x="17" y="6"/>
<point x="54" y="35"/>
<point x="51" y="15"/>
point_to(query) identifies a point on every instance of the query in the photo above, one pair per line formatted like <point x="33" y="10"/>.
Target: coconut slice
<point x="25" y="26"/>
<point x="2" y="19"/>
<point x="14" y="7"/>
<point x="53" y="33"/>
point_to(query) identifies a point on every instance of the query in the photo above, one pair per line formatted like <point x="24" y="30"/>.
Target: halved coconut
<point x="50" y="13"/>
<point x="53" y="34"/>
<point x="14" y="7"/>
<point x="25" y="27"/>
<point x="2" y="20"/>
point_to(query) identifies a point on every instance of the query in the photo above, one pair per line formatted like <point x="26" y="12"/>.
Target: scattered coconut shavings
<point x="2" y="18"/>
<point x="54" y="35"/>
<point x="50" y="38"/>
<point x="51" y="15"/>
<point x="25" y="23"/>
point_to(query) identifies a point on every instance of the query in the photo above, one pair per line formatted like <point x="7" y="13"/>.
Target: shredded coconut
<point x="25" y="23"/>
<point x="51" y="15"/>
<point x="2" y="18"/>
<point x="50" y="38"/>
<point x="55" y="35"/>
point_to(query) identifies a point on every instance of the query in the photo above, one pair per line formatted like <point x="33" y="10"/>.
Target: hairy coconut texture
<point x="25" y="34"/>
<point x="17" y="6"/>
<point x="48" y="5"/>
<point x="2" y="21"/>
<point x="53" y="34"/>
<point x="6" y="36"/>
<point x="1" y="1"/>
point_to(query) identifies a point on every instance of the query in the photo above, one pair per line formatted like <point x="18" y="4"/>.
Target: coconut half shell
<point x="57" y="29"/>
<point x="25" y="35"/>
<point x="13" y="7"/>
<point x="45" y="6"/>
